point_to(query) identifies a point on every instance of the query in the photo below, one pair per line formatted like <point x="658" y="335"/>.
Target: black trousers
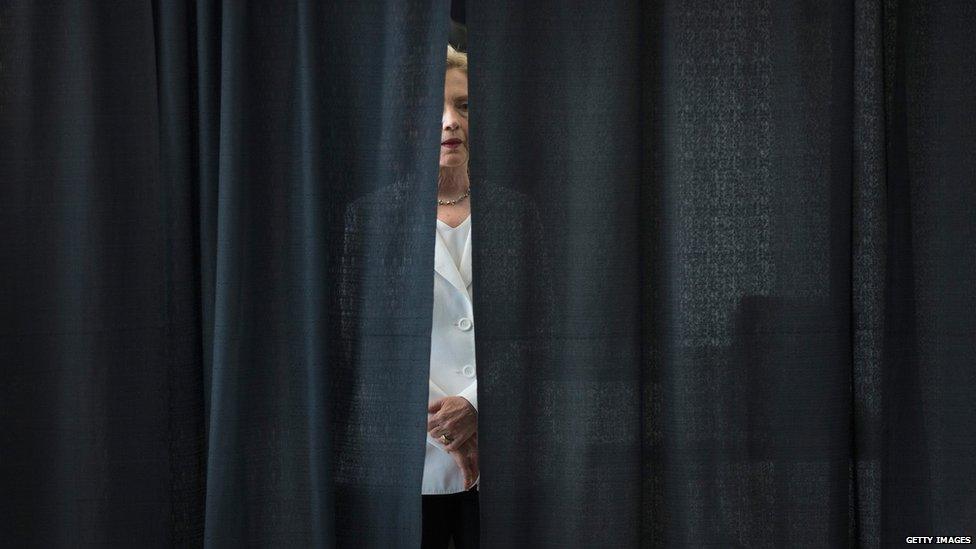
<point x="447" y="515"/>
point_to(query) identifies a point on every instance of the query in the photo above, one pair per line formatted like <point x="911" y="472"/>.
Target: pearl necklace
<point x="455" y="201"/>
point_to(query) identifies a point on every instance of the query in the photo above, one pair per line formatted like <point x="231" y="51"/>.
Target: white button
<point x="464" y="324"/>
<point x="468" y="370"/>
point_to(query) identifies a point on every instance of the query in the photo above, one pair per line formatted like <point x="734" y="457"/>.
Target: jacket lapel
<point x="465" y="271"/>
<point x="444" y="263"/>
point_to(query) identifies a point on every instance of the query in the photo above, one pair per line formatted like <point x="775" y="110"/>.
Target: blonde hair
<point x="456" y="60"/>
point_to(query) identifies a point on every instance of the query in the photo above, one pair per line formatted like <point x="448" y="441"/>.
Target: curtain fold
<point x="176" y="180"/>
<point x="723" y="257"/>
<point x="101" y="437"/>
<point x="304" y="108"/>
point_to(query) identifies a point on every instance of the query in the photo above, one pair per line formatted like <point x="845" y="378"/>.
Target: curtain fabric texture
<point x="175" y="182"/>
<point x="723" y="258"/>
<point x="761" y="223"/>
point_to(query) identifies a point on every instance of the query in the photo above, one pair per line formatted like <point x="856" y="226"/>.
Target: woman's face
<point x="454" y="124"/>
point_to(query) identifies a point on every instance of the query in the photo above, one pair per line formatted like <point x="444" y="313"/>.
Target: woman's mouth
<point x="451" y="143"/>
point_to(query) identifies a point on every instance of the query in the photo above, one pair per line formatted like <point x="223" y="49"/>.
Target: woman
<point x="450" y="493"/>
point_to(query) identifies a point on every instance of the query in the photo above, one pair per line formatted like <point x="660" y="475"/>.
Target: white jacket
<point x="452" y="356"/>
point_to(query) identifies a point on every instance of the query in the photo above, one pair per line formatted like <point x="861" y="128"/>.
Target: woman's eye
<point x="464" y="106"/>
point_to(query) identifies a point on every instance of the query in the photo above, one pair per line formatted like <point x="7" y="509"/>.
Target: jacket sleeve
<point x="471" y="394"/>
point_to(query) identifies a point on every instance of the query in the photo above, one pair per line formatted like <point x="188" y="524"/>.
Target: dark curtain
<point x="175" y="178"/>
<point x="761" y="223"/>
<point x="723" y="258"/>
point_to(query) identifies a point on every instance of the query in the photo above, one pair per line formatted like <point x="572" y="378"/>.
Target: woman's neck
<point x="452" y="183"/>
<point x="456" y="214"/>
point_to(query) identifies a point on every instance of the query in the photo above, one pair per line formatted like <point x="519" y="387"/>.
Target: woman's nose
<point x="450" y="121"/>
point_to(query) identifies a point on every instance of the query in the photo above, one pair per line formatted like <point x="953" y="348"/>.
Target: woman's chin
<point x="451" y="165"/>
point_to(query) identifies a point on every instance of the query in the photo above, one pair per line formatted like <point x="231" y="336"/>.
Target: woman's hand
<point x="466" y="457"/>
<point x="455" y="417"/>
